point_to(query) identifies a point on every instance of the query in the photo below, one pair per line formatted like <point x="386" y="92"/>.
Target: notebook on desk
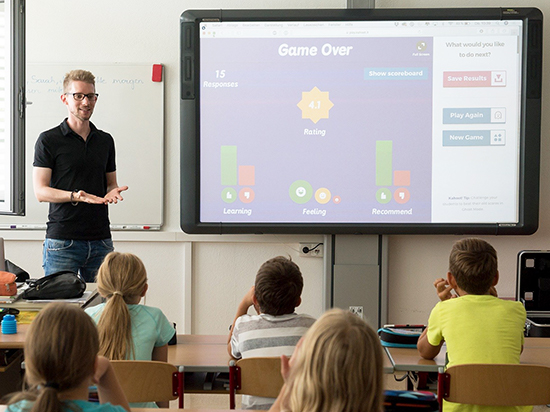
<point x="11" y="299"/>
<point x="81" y="300"/>
<point x="89" y="298"/>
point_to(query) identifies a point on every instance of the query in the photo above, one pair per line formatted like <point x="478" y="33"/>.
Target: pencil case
<point x="400" y="337"/>
<point x="401" y="401"/>
<point x="21" y="274"/>
<point x="7" y="284"/>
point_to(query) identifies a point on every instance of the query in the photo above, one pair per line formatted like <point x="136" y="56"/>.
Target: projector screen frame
<point x="529" y="155"/>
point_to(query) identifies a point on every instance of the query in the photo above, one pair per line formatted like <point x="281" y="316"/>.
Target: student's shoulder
<point x="489" y="301"/>
<point x="22" y="405"/>
<point x="248" y="322"/>
<point x="305" y="318"/>
<point x="145" y="310"/>
<point x="448" y="306"/>
<point x="291" y="319"/>
<point x="513" y="306"/>
<point x="83" y="406"/>
<point x="246" y="318"/>
<point x="96" y="310"/>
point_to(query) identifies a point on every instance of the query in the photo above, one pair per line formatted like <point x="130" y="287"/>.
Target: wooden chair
<point x="149" y="381"/>
<point x="495" y="385"/>
<point x="256" y="377"/>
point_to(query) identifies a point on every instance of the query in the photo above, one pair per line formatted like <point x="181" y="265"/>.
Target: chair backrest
<point x="496" y="384"/>
<point x="147" y="381"/>
<point x="256" y="377"/>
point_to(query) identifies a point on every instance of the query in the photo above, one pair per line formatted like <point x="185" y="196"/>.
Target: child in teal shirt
<point x="128" y="330"/>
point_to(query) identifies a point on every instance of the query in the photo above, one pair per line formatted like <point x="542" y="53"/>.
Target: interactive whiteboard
<point x="131" y="108"/>
<point x="385" y="121"/>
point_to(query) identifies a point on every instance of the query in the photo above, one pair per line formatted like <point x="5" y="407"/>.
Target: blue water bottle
<point x="9" y="325"/>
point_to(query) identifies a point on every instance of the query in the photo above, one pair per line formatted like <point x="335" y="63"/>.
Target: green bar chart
<point x="384" y="167"/>
<point x="229" y="165"/>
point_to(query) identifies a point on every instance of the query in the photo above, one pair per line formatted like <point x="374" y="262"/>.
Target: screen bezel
<point x="530" y="120"/>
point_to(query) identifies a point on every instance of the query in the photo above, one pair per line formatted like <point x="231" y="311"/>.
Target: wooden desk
<point x="202" y="340"/>
<point x="205" y="362"/>
<point x="203" y="358"/>
<point x="91" y="298"/>
<point x="15" y="341"/>
<point x="200" y="353"/>
<point x="409" y="360"/>
<point x="196" y="353"/>
<point x="536" y="343"/>
<point x="535" y="351"/>
<point x="208" y="353"/>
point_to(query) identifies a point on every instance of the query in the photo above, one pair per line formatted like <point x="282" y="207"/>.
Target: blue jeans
<point x="84" y="256"/>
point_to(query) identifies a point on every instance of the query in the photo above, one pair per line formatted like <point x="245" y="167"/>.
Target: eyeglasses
<point x="81" y="96"/>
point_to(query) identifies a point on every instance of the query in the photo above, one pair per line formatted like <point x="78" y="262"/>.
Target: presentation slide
<point x="349" y="123"/>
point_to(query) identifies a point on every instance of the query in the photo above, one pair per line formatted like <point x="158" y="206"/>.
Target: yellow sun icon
<point x="315" y="105"/>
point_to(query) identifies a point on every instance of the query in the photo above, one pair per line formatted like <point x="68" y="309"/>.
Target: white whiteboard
<point x="131" y="108"/>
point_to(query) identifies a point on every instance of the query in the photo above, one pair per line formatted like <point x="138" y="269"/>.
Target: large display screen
<point x="361" y="121"/>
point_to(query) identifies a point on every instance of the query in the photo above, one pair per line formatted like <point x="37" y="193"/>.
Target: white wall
<point x="199" y="280"/>
<point x="215" y="271"/>
<point x="414" y="261"/>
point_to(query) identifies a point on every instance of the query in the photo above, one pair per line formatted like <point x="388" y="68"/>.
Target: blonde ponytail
<point x="115" y="330"/>
<point x="47" y="401"/>
<point x="121" y="279"/>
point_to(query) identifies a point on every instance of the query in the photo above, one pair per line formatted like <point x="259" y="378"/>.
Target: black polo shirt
<point x="77" y="164"/>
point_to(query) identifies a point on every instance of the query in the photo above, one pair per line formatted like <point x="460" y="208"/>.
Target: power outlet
<point x="357" y="310"/>
<point x="311" y="249"/>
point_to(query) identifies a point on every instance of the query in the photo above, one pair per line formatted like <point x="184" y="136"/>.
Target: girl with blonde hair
<point x="61" y="361"/>
<point x="336" y="367"/>
<point x="128" y="330"/>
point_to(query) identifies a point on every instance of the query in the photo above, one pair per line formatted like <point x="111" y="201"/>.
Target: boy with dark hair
<point x="476" y="325"/>
<point x="276" y="329"/>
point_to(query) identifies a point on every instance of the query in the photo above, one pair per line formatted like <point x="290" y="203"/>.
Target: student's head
<point x="61" y="349"/>
<point x="121" y="275"/>
<point x="278" y="286"/>
<point x="473" y="263"/>
<point x="122" y="279"/>
<point x="77" y="76"/>
<point x="338" y="367"/>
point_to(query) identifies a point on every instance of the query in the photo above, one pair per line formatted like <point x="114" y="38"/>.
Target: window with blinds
<point x="12" y="80"/>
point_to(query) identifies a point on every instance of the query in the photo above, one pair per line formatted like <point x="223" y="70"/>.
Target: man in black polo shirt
<point x="75" y="171"/>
